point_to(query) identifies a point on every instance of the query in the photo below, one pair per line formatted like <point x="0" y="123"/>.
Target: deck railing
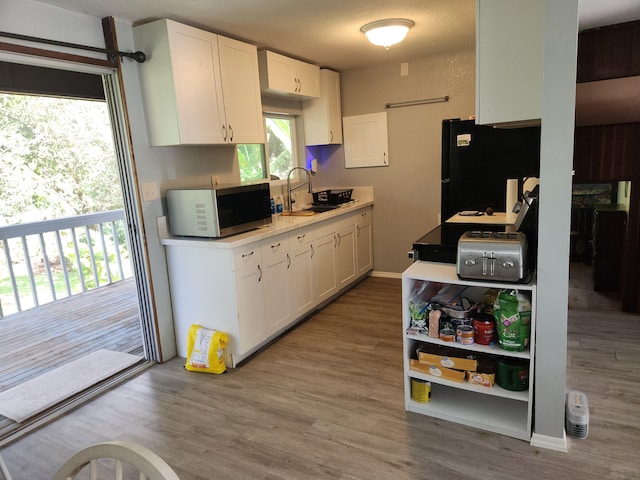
<point x="41" y="262"/>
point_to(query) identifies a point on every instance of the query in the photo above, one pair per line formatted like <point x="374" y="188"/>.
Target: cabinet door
<point x="324" y="272"/>
<point x="323" y="117"/>
<point x="300" y="279"/>
<point x="509" y="36"/>
<point x="364" y="253"/>
<point x="335" y="110"/>
<point x="241" y="87"/>
<point x="308" y="80"/>
<point x="277" y="73"/>
<point x="365" y="140"/>
<point x="181" y="84"/>
<point x="249" y="295"/>
<point x="345" y="256"/>
<point x="275" y="285"/>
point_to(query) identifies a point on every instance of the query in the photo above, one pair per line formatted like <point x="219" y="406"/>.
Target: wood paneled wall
<point x="606" y="153"/>
<point x="609" y="52"/>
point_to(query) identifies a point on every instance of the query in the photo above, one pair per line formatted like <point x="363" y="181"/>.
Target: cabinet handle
<point x="335" y="241"/>
<point x="277" y="245"/>
<point x="244" y="255"/>
<point x="230" y="133"/>
<point x="384" y="156"/>
<point x="259" y="273"/>
<point x="330" y="135"/>
<point x="358" y="230"/>
<point x="224" y="136"/>
<point x="301" y="237"/>
<point x="288" y="261"/>
<point x="312" y="251"/>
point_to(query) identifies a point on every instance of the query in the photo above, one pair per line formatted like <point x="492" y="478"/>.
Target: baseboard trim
<point x="550" y="443"/>
<point x="375" y="273"/>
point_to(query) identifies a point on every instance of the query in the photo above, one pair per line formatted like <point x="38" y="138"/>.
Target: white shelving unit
<point x="494" y="408"/>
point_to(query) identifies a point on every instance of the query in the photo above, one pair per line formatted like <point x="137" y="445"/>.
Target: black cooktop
<point x="441" y="243"/>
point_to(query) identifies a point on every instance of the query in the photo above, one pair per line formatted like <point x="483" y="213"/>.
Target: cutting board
<point x="298" y="213"/>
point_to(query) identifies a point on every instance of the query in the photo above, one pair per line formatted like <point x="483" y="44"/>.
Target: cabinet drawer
<point x="363" y="217"/>
<point x="301" y="236"/>
<point x="271" y="247"/>
<point x="246" y="256"/>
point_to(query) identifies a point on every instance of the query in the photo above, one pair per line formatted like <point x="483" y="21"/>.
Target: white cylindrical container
<point x="512" y="193"/>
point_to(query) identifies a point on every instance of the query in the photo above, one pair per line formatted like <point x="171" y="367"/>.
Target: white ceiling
<point x="327" y="32"/>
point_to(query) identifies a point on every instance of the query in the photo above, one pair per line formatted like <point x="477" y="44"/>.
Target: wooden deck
<point x="37" y="340"/>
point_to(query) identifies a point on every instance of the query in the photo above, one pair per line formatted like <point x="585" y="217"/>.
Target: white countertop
<point x="362" y="197"/>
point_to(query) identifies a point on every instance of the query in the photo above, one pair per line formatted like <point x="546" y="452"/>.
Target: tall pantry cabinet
<point x="198" y="88"/>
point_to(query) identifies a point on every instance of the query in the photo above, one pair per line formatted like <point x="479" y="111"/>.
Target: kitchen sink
<point x="307" y="212"/>
<point x="323" y="208"/>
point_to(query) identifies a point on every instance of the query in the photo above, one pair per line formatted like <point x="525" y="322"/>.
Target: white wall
<point x="407" y="192"/>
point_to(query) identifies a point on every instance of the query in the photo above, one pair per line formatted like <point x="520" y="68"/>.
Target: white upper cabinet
<point x="323" y="116"/>
<point x="366" y="141"/>
<point x="284" y="76"/>
<point x="241" y="88"/>
<point x="198" y="87"/>
<point x="509" y="55"/>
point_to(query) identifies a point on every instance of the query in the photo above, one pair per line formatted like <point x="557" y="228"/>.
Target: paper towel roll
<point x="512" y="193"/>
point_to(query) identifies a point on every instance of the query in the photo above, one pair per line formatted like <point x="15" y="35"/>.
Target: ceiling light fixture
<point x="387" y="32"/>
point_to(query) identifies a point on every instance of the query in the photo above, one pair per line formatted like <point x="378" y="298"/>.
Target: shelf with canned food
<point x="471" y="344"/>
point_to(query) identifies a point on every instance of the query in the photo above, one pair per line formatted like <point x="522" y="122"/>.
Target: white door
<point x="300" y="279"/>
<point x="249" y="298"/>
<point x="324" y="272"/>
<point x="364" y="253"/>
<point x="241" y="89"/>
<point x="197" y="84"/>
<point x="275" y="264"/>
<point x="345" y="256"/>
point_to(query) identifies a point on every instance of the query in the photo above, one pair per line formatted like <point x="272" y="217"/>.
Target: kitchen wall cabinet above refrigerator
<point x="323" y="116"/>
<point x="198" y="88"/>
<point x="284" y="76"/>
<point x="509" y="54"/>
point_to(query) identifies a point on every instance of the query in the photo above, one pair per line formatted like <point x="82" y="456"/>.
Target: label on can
<point x="420" y="390"/>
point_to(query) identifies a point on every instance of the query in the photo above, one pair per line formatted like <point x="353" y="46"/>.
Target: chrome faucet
<point x="292" y="189"/>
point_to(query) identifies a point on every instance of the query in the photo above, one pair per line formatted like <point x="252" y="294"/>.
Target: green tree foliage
<point x="57" y="159"/>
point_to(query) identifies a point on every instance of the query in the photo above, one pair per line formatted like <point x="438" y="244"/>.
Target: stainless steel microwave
<point x="218" y="212"/>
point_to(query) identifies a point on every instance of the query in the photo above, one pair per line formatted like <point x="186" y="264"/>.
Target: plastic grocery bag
<point x="206" y="349"/>
<point x="512" y="312"/>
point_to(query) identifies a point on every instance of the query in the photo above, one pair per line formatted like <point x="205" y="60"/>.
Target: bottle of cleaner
<point x="279" y="207"/>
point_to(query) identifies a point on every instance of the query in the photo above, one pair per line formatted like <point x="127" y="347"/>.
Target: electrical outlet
<point x="150" y="191"/>
<point x="215" y="180"/>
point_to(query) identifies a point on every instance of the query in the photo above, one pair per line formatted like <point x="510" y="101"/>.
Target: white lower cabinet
<point x="300" y="274"/>
<point x="251" y="311"/>
<point x="345" y="255"/>
<point x="275" y="283"/>
<point x="323" y="265"/>
<point x="495" y="409"/>
<point x="364" y="251"/>
<point x="255" y="292"/>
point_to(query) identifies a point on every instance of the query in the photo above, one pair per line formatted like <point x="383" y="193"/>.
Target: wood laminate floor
<point x="326" y="402"/>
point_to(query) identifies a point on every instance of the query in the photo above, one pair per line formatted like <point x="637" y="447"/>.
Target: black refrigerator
<point x="477" y="160"/>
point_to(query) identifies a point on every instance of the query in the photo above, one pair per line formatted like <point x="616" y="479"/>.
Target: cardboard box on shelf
<point x="437" y="371"/>
<point x="448" y="362"/>
<point x="484" y="379"/>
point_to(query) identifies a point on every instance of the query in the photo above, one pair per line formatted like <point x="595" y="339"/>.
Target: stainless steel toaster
<point x="500" y="256"/>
